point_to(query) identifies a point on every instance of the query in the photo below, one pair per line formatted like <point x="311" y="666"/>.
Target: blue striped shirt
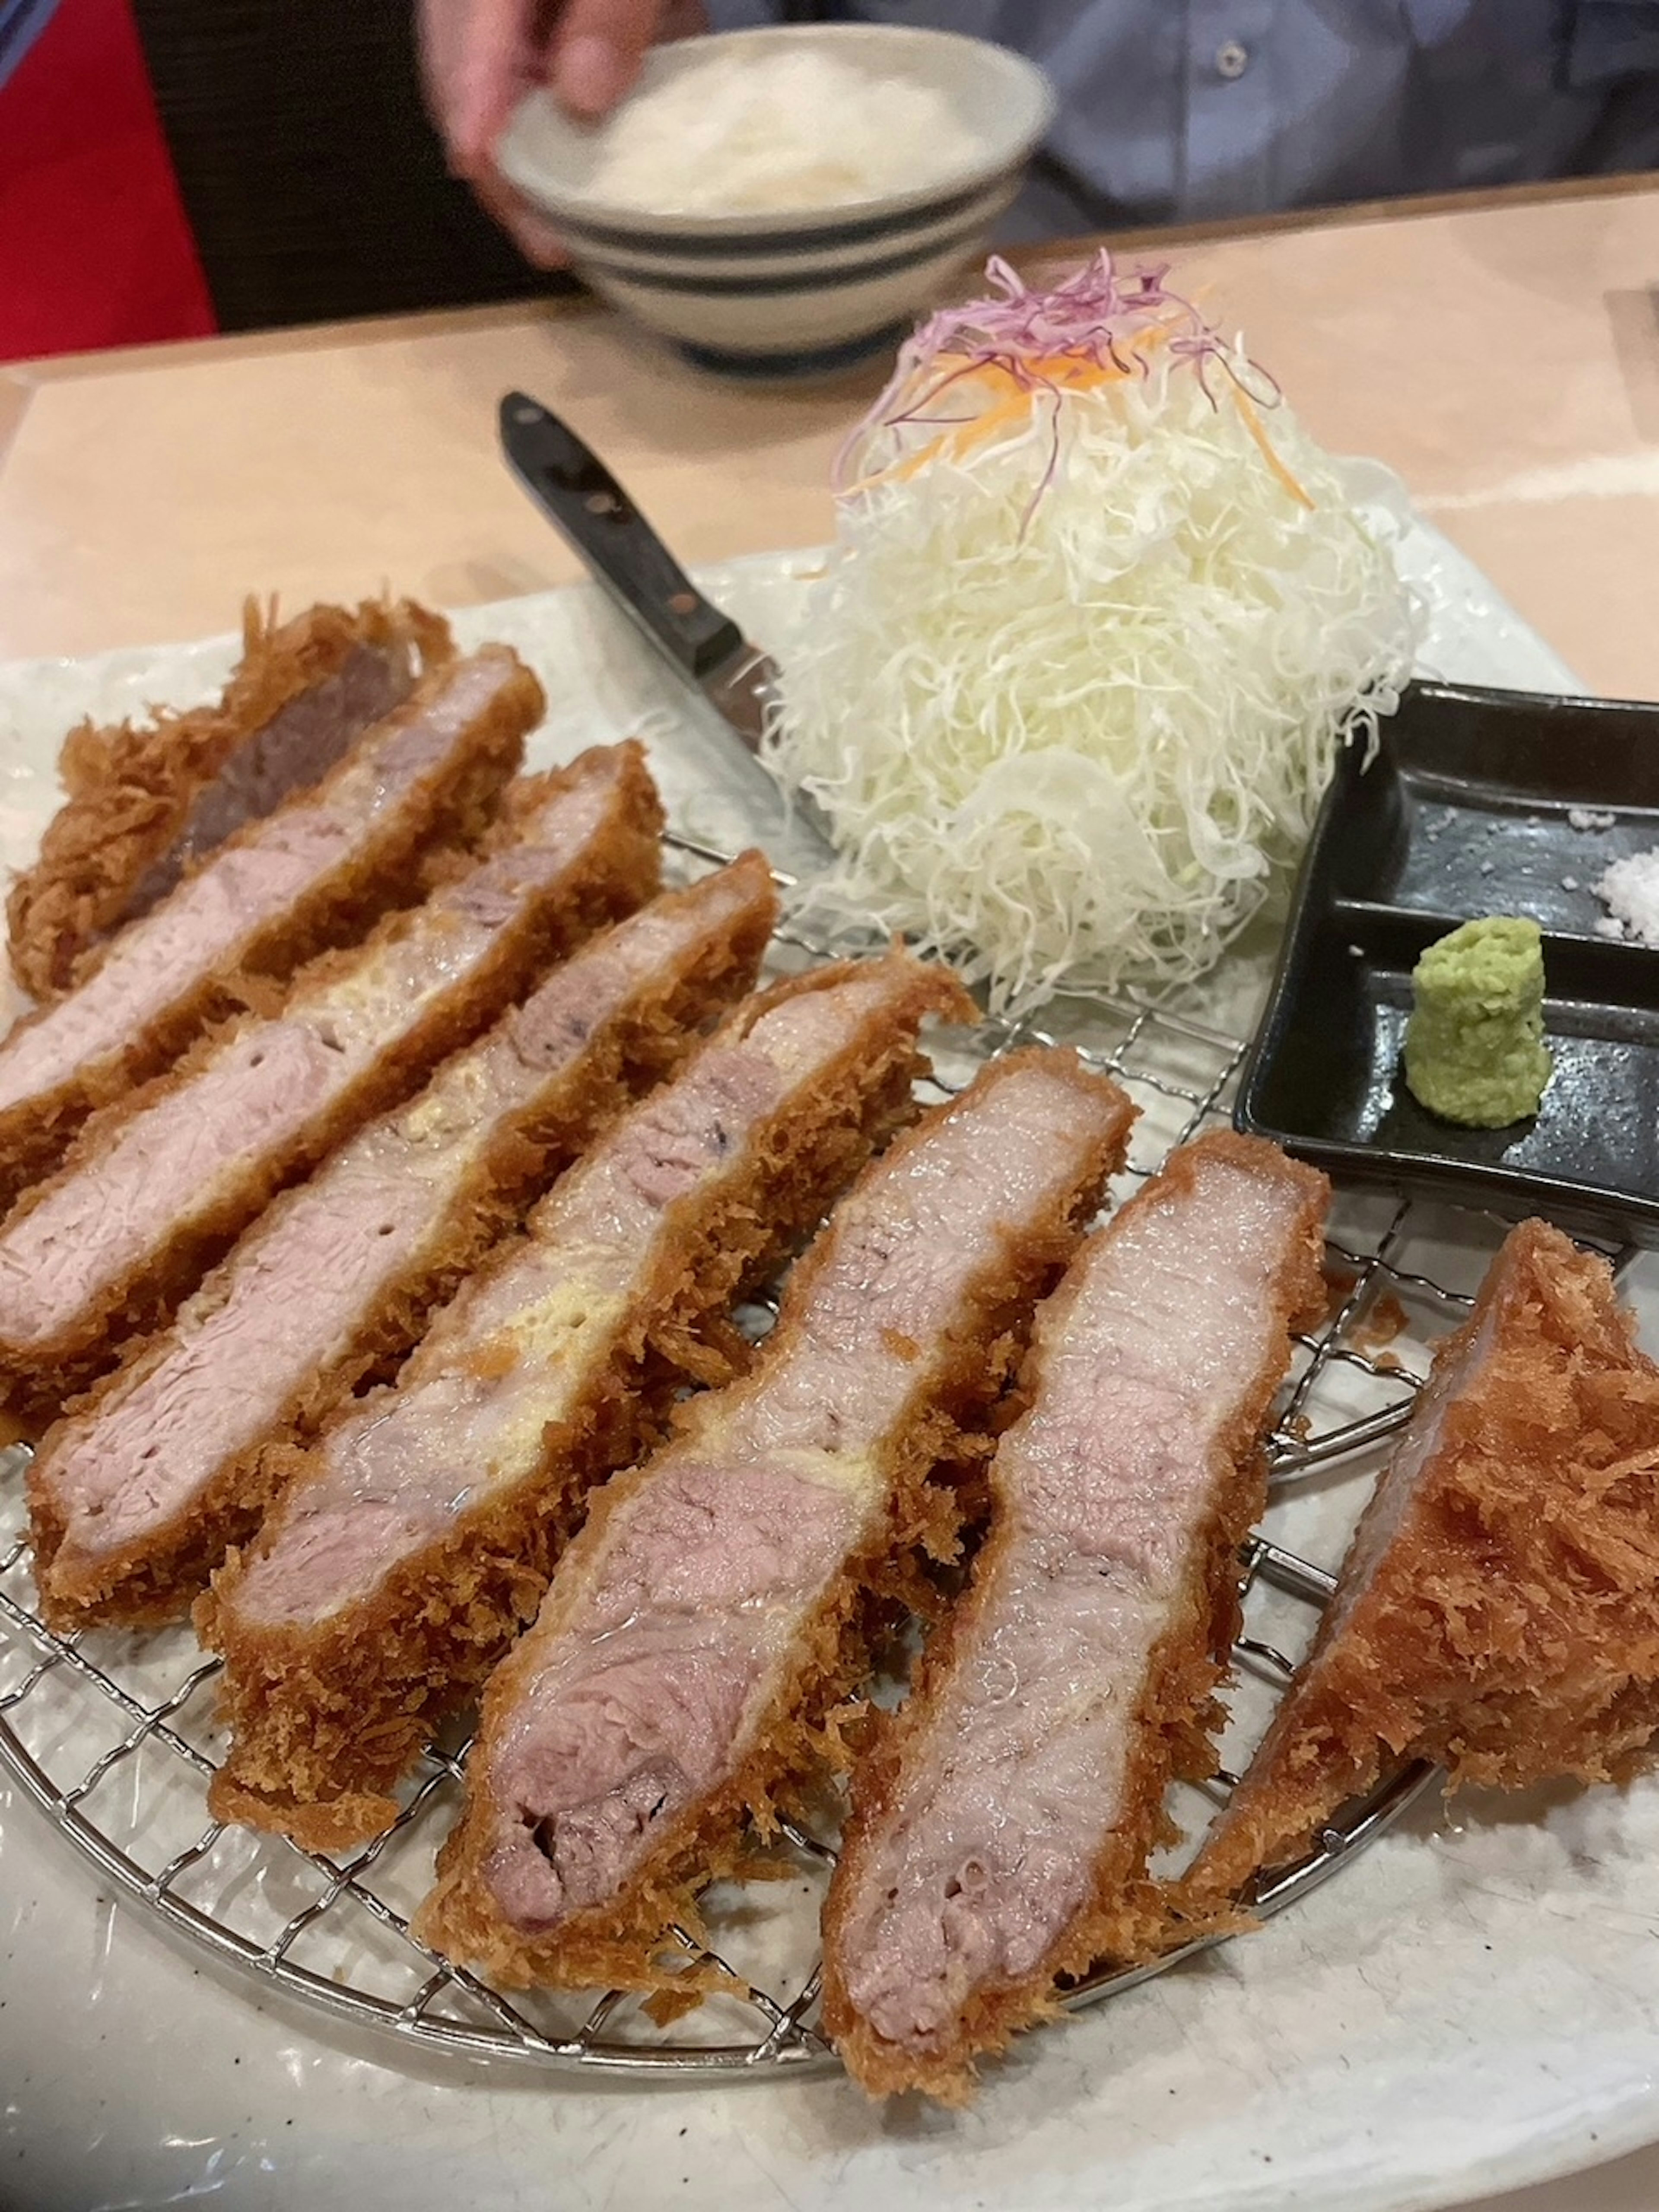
<point x="1185" y="110"/>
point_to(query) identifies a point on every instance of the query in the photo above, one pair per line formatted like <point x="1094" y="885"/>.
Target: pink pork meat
<point x="137" y="1493"/>
<point x="146" y="800"/>
<point x="1002" y="1824"/>
<point x="422" y="1531"/>
<point x="316" y="872"/>
<point x="157" y="1187"/>
<point x="707" y="1618"/>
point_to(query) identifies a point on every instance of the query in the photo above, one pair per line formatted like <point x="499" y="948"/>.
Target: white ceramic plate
<point x="1469" y="2008"/>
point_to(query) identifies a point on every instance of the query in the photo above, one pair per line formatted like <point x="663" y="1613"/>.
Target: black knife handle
<point x="587" y="506"/>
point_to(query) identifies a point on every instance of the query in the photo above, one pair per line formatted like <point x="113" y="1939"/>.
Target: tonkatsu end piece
<point x="418" y="1535"/>
<point x="1498" y="1609"/>
<point x="155" y="1189"/>
<point x="147" y="801"/>
<point x="698" y="1634"/>
<point x="136" y="1495"/>
<point x="1003" y="1819"/>
<point x="317" y="873"/>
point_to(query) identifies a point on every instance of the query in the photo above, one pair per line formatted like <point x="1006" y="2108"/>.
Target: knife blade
<point x="602" y="525"/>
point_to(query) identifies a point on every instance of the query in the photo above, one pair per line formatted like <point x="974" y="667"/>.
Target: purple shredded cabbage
<point x="1090" y="317"/>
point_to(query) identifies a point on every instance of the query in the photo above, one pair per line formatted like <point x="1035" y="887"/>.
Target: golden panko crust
<point x="155" y="1578"/>
<point x="130" y="788"/>
<point x="392" y="863"/>
<point x="1499" y="1610"/>
<point x="626" y="1942"/>
<point x="1176" y="1711"/>
<point x="614" y="873"/>
<point x="327" y="1717"/>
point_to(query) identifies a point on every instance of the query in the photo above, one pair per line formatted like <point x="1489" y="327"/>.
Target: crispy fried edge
<point x="392" y="863"/>
<point x="131" y="787"/>
<point x="618" y="1945"/>
<point x="650" y="1031"/>
<point x="1511" y="1627"/>
<point x="1177" y="1713"/>
<point x="614" y="871"/>
<point x="326" y="1717"/>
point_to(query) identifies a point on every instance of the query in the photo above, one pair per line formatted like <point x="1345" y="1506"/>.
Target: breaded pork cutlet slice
<point x="318" y="871"/>
<point x="1003" y="1819"/>
<point x="146" y="800"/>
<point x="154" y="1190"/>
<point x="711" y="1613"/>
<point x="419" y="1535"/>
<point x="1498" y="1609"/>
<point x="136" y="1496"/>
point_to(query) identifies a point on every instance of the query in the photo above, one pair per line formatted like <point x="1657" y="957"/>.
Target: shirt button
<point x="1232" y="59"/>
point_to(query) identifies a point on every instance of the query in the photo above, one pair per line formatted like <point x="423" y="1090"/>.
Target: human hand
<point x="480" y="56"/>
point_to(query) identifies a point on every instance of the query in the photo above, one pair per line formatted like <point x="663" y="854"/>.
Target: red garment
<point x="95" y="249"/>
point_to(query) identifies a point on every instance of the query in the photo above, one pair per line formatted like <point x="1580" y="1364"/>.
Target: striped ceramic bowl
<point x="776" y="293"/>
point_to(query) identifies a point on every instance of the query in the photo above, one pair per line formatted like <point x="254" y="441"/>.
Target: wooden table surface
<point x="1502" y="356"/>
<point x="1505" y="359"/>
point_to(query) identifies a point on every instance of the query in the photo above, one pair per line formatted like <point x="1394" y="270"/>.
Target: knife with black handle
<point x="597" y="518"/>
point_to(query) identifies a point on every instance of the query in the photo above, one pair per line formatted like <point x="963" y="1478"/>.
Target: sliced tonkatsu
<point x="1498" y="1609"/>
<point x="1002" y="1821"/>
<point x="419" y="1534"/>
<point x="317" y="873"/>
<point x="145" y="801"/>
<point x="136" y="1496"/>
<point x="711" y="1613"/>
<point x="155" y="1187"/>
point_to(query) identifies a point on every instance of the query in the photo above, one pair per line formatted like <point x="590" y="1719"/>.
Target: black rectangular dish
<point x="1476" y="802"/>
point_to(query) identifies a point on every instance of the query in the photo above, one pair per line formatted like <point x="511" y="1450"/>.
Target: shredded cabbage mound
<point x="1073" y="681"/>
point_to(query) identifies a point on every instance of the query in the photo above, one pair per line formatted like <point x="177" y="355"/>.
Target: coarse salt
<point x="1630" y="891"/>
<point x="1587" y="818"/>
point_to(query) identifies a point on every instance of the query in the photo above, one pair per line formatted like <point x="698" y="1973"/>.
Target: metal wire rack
<point x="113" y="1738"/>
